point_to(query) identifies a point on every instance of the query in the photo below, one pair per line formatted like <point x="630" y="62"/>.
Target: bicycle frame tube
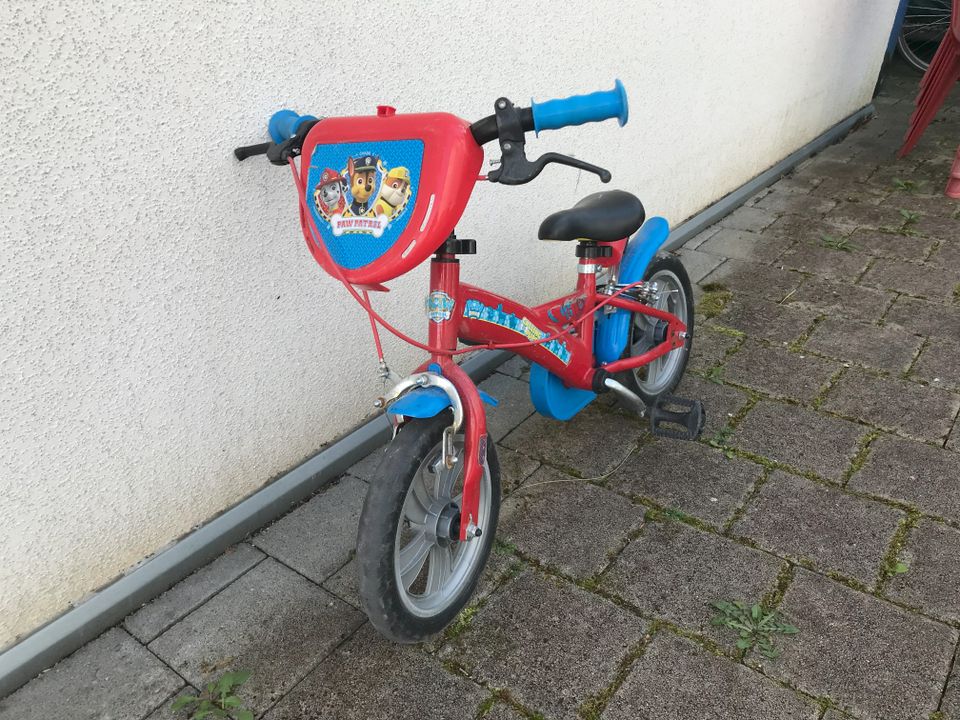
<point x="675" y="336"/>
<point x="487" y="317"/>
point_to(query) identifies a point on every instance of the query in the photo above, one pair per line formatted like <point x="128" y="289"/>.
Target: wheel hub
<point x="443" y="524"/>
<point x="660" y="331"/>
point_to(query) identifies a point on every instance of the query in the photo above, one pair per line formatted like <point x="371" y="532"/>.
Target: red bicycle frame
<point x="572" y="360"/>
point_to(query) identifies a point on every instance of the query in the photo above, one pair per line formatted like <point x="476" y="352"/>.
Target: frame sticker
<point x="439" y="306"/>
<point x="476" y="310"/>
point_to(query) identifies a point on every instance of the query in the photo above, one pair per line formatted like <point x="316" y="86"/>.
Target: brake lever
<point x="515" y="169"/>
<point x="552" y="157"/>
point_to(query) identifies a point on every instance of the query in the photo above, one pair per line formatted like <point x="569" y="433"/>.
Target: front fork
<point x="444" y="307"/>
<point x="474" y="448"/>
<point x="463" y="399"/>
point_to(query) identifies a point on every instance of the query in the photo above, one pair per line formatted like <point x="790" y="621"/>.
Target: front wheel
<point x="415" y="574"/>
<point x="675" y="296"/>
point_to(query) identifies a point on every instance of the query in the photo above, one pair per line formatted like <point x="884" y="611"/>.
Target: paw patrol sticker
<point x="363" y="195"/>
<point x="439" y="306"/>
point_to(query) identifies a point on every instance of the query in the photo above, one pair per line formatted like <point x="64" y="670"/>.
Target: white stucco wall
<point x="168" y="345"/>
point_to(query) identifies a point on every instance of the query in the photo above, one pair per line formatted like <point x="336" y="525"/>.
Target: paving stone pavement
<point x="827" y="486"/>
<point x="733" y="691"/>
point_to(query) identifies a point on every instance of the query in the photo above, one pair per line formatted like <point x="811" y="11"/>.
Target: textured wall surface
<point x="168" y="344"/>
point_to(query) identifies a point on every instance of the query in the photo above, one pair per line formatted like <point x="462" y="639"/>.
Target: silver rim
<point x="657" y="376"/>
<point x="924" y="25"/>
<point x="431" y="570"/>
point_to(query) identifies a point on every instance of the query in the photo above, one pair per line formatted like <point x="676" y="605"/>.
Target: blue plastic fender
<point x="552" y="398"/>
<point x="612" y="331"/>
<point x="420" y="403"/>
<point x="428" y="401"/>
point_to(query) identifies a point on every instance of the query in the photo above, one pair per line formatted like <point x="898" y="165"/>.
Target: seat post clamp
<point x="590" y="250"/>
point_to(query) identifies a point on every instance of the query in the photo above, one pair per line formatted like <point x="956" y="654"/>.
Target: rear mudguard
<point x="550" y="396"/>
<point x="610" y="339"/>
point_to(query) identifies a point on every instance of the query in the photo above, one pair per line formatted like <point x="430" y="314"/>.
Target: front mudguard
<point x="420" y="402"/>
<point x="613" y="329"/>
<point x="427" y="402"/>
<point x="426" y="394"/>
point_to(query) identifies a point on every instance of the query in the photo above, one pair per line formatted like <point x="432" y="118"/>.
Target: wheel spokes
<point x="421" y="490"/>
<point x="448" y="477"/>
<point x="412" y="557"/>
<point x="415" y="511"/>
<point x="653" y="369"/>
<point x="440" y="569"/>
<point x="430" y="573"/>
<point x="656" y="375"/>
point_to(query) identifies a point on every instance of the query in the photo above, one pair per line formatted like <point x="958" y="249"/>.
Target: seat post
<point x="588" y="252"/>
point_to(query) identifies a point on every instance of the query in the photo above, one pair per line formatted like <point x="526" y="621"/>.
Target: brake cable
<point x="375" y="317"/>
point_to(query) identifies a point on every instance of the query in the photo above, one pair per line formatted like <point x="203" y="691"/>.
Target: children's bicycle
<point x="380" y="194"/>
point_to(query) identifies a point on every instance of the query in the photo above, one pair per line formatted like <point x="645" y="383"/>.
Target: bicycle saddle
<point x="601" y="217"/>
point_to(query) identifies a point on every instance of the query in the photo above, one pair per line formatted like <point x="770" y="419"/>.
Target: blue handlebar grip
<point x="284" y="123"/>
<point x="580" y="109"/>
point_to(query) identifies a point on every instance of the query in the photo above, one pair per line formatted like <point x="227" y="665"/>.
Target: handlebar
<point x="580" y="109"/>
<point x="287" y="130"/>
<point x="284" y="124"/>
<point x="486" y="129"/>
<point x="554" y="114"/>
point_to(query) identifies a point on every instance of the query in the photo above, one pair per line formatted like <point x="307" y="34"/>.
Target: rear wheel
<point x="675" y="296"/>
<point x="415" y="574"/>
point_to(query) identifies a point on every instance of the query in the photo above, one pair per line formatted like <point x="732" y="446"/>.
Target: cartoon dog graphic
<point x="363" y="177"/>
<point x="393" y="192"/>
<point x="329" y="195"/>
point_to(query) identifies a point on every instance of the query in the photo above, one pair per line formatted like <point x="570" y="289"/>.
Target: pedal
<point x="677" y="418"/>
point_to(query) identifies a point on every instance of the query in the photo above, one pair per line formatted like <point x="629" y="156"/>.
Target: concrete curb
<point x="728" y="203"/>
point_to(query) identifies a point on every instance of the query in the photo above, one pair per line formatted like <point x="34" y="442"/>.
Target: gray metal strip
<point x="62" y="636"/>
<point x="78" y="626"/>
<point x="728" y="203"/>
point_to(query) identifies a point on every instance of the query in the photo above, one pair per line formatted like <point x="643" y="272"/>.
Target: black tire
<point x="925" y="23"/>
<point x="670" y="267"/>
<point x="383" y="511"/>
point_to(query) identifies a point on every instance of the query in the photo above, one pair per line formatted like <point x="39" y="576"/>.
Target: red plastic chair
<point x="937" y="82"/>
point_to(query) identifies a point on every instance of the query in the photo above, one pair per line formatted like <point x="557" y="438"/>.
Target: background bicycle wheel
<point x="924" y="25"/>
